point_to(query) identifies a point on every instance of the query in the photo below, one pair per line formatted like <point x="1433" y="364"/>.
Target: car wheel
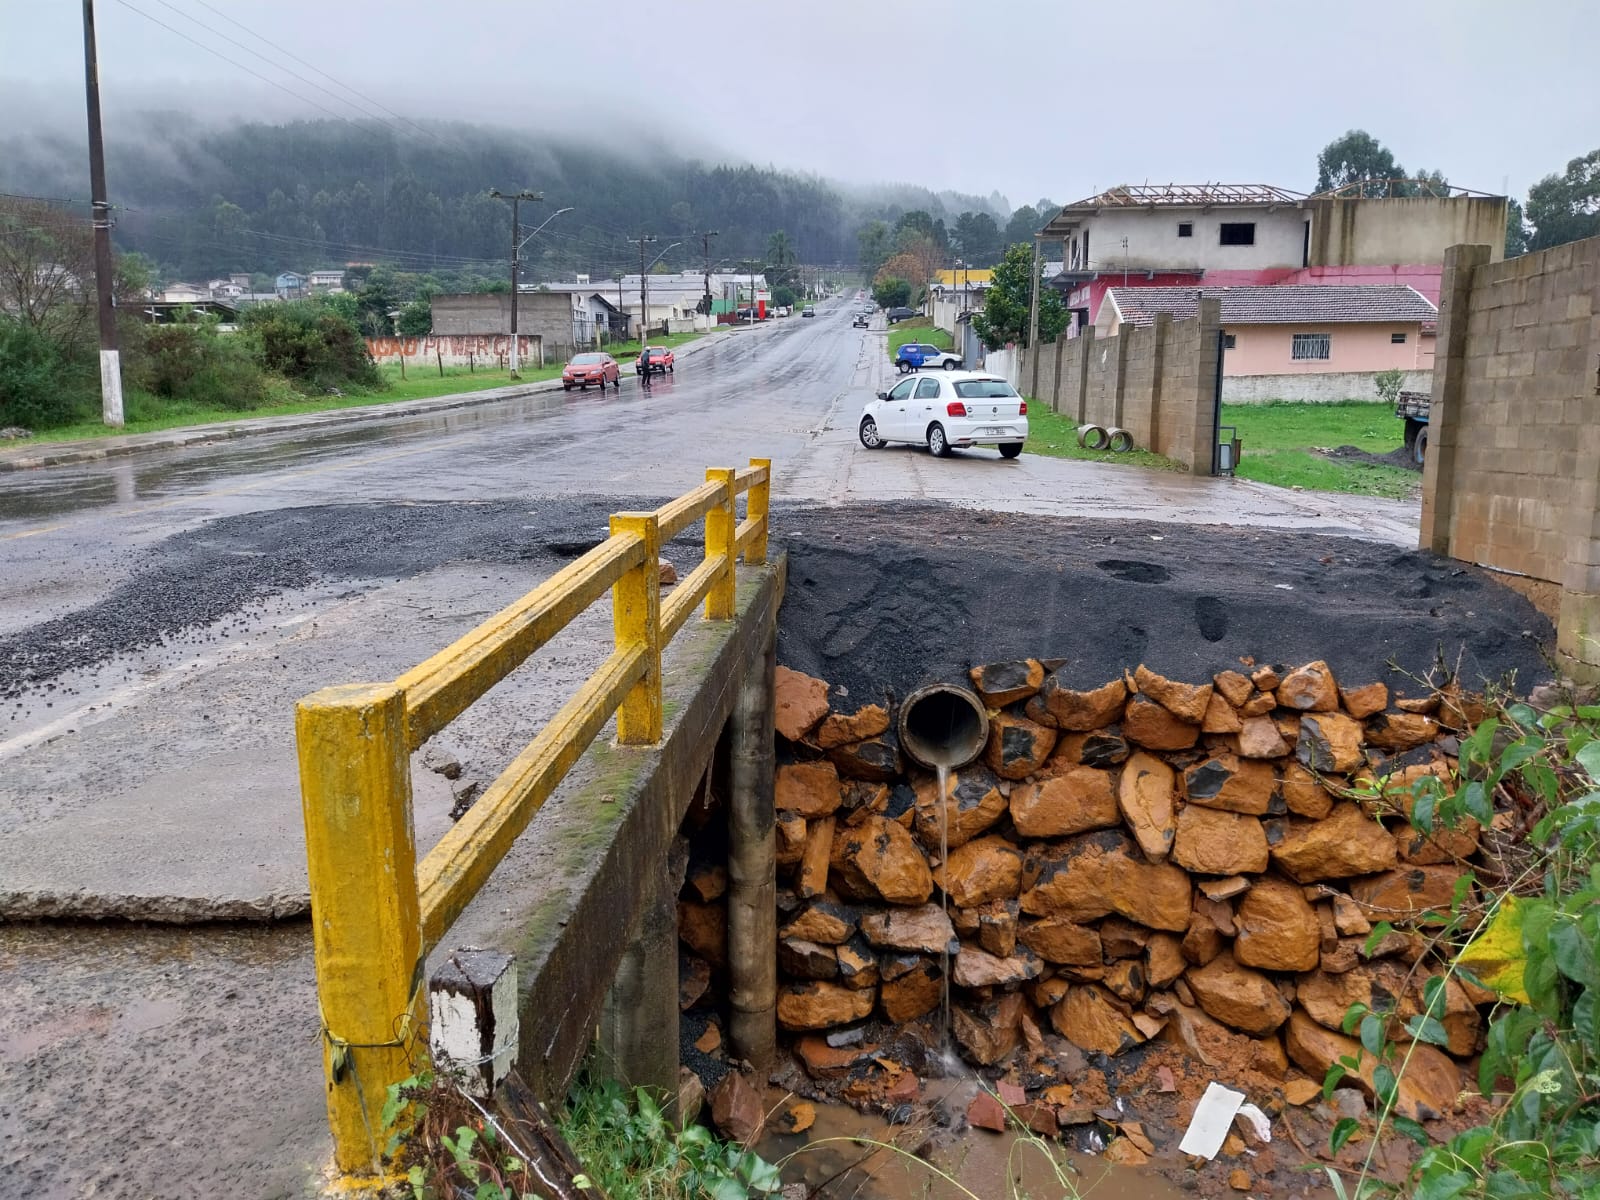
<point x="950" y="364"/>
<point x="902" y="366"/>
<point x="583" y="387"/>
<point x="870" y="437"/>
<point x="1419" y="448"/>
<point x="1010" y="449"/>
<point x="938" y="445"/>
<point x="566" y="387"/>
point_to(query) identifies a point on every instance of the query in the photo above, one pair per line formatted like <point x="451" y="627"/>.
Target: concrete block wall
<point x="1512" y="479"/>
<point x="1157" y="382"/>
<point x="1325" y="387"/>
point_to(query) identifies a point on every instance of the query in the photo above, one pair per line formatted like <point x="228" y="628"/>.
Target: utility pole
<point x="705" y="244"/>
<point x="110" y="360"/>
<point x="516" y="251"/>
<point x="1033" y="318"/>
<point x="645" y="239"/>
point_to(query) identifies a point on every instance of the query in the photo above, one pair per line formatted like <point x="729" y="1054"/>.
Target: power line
<point x="240" y="66"/>
<point x="312" y="67"/>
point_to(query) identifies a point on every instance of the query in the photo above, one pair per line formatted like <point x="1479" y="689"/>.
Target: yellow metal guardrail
<point x="376" y="910"/>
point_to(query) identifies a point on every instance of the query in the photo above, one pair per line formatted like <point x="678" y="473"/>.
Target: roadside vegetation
<point x="1281" y="440"/>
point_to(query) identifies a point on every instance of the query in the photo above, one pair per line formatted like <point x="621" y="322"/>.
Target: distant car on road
<point x="808" y="311"/>
<point x="948" y="412"/>
<point x="901" y="314"/>
<point x="914" y="355"/>
<point x="861" y="321"/>
<point x="585" y="369"/>
<point x="654" y="360"/>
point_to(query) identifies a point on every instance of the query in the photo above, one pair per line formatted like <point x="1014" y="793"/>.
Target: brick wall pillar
<point x="1200" y="422"/>
<point x="1439" y="473"/>
<point x="1078" y="384"/>
<point x="1158" y="362"/>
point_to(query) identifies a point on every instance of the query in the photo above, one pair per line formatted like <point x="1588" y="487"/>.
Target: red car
<point x="585" y="369"/>
<point x="656" y="359"/>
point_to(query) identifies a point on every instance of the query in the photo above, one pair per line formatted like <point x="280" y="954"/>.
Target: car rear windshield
<point x="587" y="360"/>
<point x="984" y="389"/>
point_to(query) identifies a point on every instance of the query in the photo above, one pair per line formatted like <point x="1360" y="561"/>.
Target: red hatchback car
<point x="655" y="360"/>
<point x="595" y="367"/>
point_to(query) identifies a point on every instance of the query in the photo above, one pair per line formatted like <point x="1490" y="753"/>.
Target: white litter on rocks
<point x="1213" y="1117"/>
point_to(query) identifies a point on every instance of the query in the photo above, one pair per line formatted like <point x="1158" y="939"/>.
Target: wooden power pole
<point x="110" y="359"/>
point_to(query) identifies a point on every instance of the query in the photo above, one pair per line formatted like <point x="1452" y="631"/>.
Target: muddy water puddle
<point x="847" y="1155"/>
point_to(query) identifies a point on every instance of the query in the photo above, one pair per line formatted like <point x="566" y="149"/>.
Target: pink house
<point x="1345" y="333"/>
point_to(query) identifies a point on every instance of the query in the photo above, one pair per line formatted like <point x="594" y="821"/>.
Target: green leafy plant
<point x="1536" y="940"/>
<point x="1388" y="385"/>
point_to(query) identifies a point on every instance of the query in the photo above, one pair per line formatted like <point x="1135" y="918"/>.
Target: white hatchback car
<point x="951" y="410"/>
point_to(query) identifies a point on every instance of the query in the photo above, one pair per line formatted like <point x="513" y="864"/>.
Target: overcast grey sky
<point x="1029" y="97"/>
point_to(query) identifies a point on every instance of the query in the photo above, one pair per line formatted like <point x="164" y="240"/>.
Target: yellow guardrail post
<point x="636" y="618"/>
<point x="756" y="510"/>
<point x="721" y="534"/>
<point x="355" y="788"/>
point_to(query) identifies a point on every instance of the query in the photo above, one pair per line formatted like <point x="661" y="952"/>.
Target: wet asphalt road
<point x="137" y="1061"/>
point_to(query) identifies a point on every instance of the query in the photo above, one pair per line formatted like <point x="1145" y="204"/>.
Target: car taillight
<point x="1022" y="409"/>
<point x="956" y="409"/>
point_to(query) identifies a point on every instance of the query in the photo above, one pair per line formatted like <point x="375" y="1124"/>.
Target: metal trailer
<point x="1413" y="408"/>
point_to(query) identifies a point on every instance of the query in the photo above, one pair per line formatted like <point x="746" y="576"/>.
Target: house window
<point x="1398" y="339"/>
<point x="1228" y="341"/>
<point x="1185" y="228"/>
<point x="1238" y="233"/>
<point x="1309" y="345"/>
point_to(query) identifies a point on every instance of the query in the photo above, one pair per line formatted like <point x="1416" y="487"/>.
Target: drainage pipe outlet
<point x="943" y="725"/>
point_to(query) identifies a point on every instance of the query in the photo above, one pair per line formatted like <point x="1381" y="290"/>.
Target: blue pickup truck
<point x="1412" y="407"/>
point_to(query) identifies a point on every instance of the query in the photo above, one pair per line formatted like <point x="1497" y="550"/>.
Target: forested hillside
<point x="200" y="200"/>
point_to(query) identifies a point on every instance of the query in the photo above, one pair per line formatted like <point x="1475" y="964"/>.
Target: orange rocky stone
<point x="1079" y="800"/>
<point x="1330" y="742"/>
<point x="1348" y="919"/>
<point x="997" y="927"/>
<point x="1122" y="938"/>
<point x="1266" y="678"/>
<point x="823" y="1061"/>
<point x="1225" y="888"/>
<point x="1209" y="1041"/>
<point x="1186" y="701"/>
<point x="1090" y="1019"/>
<point x="1082" y="710"/>
<point x="809" y="789"/>
<point x="1058" y="940"/>
<point x="838" y="729"/>
<point x="791" y="835"/>
<point x="1326" y="998"/>
<point x="1221" y="717"/>
<point x="1303" y="793"/>
<point x="1429" y="1086"/>
<point x="821" y="921"/>
<point x="1233" y="687"/>
<point x="988" y="868"/>
<point x="1443" y="845"/>
<point x="804" y="1006"/>
<point x="912" y="995"/>
<point x="1407" y="893"/>
<point x="1347" y="842"/>
<point x="976" y="968"/>
<point x="986" y="1112"/>
<point x="1237" y="996"/>
<point x="1212" y="842"/>
<point x="1277" y="928"/>
<point x="1150" y="725"/>
<point x="704" y="929"/>
<point x="1000" y="684"/>
<point x="1126" y="980"/>
<point x="1045" y="992"/>
<point x="1259" y="738"/>
<point x="1362" y="702"/>
<point x="1202" y="941"/>
<point x="1258" y="705"/>
<point x="1164" y="959"/>
<point x="925" y="930"/>
<point x="1401" y="731"/>
<point x="1229" y="782"/>
<point x="1123" y="1153"/>
<point x="736" y="1108"/>
<point x="798" y="703"/>
<point x="988" y="1032"/>
<point x="1309" y="688"/>
<point x="878" y="859"/>
<point x="1418" y="704"/>
<point x="1105" y="748"/>
<point x="876" y="759"/>
<point x="813" y="880"/>
<point x="858" y="966"/>
<point x="972" y="804"/>
<point x="1096" y="874"/>
<point x="1017" y="746"/>
<point x="807" y="960"/>
<point x="1145" y="796"/>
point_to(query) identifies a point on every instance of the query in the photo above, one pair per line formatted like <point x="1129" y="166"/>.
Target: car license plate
<point x="994" y="430"/>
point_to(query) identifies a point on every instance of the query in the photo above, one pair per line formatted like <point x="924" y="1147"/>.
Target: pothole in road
<point x="1134" y="571"/>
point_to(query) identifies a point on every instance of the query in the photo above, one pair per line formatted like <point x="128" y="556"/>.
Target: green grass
<point x="918" y="329"/>
<point x="146" y="413"/>
<point x="1056" y="436"/>
<point x="1279" y="439"/>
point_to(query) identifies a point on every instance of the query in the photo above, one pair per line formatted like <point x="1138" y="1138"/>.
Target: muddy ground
<point x="883" y="599"/>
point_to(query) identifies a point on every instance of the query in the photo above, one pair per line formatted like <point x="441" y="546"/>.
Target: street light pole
<point x="705" y="244"/>
<point x="110" y="360"/>
<point x="645" y="239"/>
<point x="516" y="250"/>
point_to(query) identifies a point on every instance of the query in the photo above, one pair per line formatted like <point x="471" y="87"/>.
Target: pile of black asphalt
<point x="880" y="598"/>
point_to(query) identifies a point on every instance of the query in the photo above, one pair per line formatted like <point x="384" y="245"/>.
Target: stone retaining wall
<point x="1147" y="859"/>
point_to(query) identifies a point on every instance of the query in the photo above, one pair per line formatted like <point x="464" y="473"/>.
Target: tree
<point x="1004" y="318"/>
<point x="1566" y="207"/>
<point x="872" y="247"/>
<point x="415" y="319"/>
<point x="915" y="264"/>
<point x="892" y="293"/>
<point x="978" y="238"/>
<point x="1353" y="158"/>
<point x="780" y="260"/>
<point x="1516" y="230"/>
<point x="47" y="270"/>
<point x="1026" y="222"/>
